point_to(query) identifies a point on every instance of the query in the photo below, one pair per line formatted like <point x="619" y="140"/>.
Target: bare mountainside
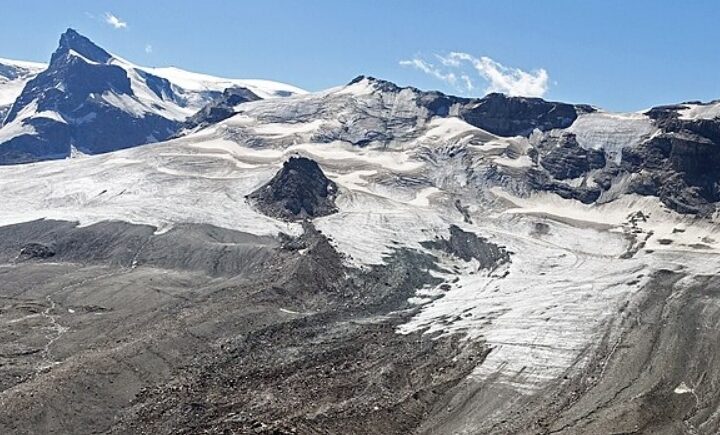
<point x="370" y="259"/>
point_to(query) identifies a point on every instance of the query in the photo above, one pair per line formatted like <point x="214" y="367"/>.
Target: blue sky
<point x="620" y="55"/>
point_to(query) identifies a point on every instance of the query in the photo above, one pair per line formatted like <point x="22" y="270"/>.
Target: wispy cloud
<point x="115" y="21"/>
<point x="148" y="49"/>
<point x="496" y="76"/>
<point x="430" y="69"/>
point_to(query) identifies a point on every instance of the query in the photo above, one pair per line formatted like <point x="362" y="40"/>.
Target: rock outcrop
<point x="36" y="251"/>
<point x="300" y="190"/>
<point x="468" y="246"/>
<point x="222" y="108"/>
<point x="681" y="165"/>
<point x="518" y="116"/>
<point x="566" y="159"/>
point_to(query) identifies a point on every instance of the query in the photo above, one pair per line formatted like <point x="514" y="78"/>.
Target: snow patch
<point x="612" y="131"/>
<point x="700" y="111"/>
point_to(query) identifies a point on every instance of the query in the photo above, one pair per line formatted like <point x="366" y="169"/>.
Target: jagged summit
<point x="94" y="102"/>
<point x="72" y="40"/>
<point x="82" y="100"/>
<point x="381" y="84"/>
<point x="300" y="190"/>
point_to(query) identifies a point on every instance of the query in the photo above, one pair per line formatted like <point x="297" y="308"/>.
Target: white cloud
<point x="428" y="68"/>
<point x="448" y="61"/>
<point x="115" y="21"/>
<point x="498" y="77"/>
<point x="512" y="81"/>
<point x="148" y="49"/>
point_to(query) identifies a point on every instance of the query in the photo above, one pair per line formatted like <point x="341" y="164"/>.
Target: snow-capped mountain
<point x="90" y="101"/>
<point x="375" y="258"/>
<point x="13" y="76"/>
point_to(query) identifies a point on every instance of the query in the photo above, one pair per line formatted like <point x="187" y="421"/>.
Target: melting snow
<point x="612" y="131"/>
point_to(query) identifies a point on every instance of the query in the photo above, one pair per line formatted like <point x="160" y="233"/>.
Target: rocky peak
<point x="379" y="84"/>
<point x="69" y="81"/>
<point x="72" y="40"/>
<point x="300" y="190"/>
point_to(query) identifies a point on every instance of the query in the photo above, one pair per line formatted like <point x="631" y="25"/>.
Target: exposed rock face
<point x="518" y="116"/>
<point x="541" y="181"/>
<point x="496" y="113"/>
<point x="566" y="159"/>
<point x="679" y="162"/>
<point x="89" y="101"/>
<point x="559" y="159"/>
<point x="681" y="165"/>
<point x="222" y="108"/>
<point x="298" y="191"/>
<point x="72" y="94"/>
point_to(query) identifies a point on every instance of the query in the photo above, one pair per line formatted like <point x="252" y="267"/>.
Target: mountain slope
<point x="13" y="76"/>
<point x="92" y="101"/>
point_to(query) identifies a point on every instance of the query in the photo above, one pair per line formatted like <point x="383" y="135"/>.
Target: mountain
<point x="370" y="258"/>
<point x="13" y="76"/>
<point x="90" y="101"/>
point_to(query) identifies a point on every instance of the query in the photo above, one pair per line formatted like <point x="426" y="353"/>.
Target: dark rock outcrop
<point x="300" y="190"/>
<point x="567" y="159"/>
<point x="496" y="113"/>
<point x="222" y="108"/>
<point x="519" y="116"/>
<point x="560" y="158"/>
<point x="467" y="246"/>
<point x="36" y="251"/>
<point x="681" y="165"/>
<point x="541" y="181"/>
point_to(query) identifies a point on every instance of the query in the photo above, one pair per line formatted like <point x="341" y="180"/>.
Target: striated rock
<point x="541" y="181"/>
<point x="681" y="166"/>
<point x="567" y="159"/>
<point x="519" y="116"/>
